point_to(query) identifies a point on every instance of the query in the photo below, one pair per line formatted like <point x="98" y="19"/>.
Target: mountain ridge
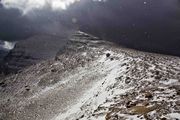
<point x="31" y="51"/>
<point x="94" y="80"/>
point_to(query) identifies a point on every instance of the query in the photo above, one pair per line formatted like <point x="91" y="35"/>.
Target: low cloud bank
<point x="20" y="19"/>
<point x="149" y="25"/>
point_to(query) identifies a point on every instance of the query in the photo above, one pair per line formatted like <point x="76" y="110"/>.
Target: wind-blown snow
<point x="101" y="90"/>
<point x="94" y="80"/>
<point x="174" y="115"/>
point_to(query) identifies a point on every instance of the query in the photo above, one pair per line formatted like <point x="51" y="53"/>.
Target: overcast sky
<point x="20" y="19"/>
<point x="152" y="25"/>
<point x="29" y="5"/>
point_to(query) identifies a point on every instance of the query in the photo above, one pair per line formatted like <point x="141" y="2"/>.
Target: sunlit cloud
<point x="28" y="5"/>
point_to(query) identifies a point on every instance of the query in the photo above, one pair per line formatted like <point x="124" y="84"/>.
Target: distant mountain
<point x="93" y="80"/>
<point x="32" y="50"/>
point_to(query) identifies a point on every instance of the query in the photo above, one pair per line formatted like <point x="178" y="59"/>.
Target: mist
<point x="18" y="23"/>
<point x="148" y="25"/>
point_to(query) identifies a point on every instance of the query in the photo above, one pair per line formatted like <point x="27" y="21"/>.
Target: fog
<point x="149" y="25"/>
<point x="20" y="20"/>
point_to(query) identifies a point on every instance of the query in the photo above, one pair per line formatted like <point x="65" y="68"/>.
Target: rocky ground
<point x="94" y="80"/>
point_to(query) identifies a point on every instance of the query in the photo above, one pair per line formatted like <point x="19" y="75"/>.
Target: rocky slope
<point x="31" y="51"/>
<point x="94" y="80"/>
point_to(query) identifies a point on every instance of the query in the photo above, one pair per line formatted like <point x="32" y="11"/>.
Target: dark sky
<point x="17" y="26"/>
<point x="150" y="25"/>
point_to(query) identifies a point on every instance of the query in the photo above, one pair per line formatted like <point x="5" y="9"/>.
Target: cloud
<point x="20" y="19"/>
<point x="29" y="5"/>
<point x="151" y="26"/>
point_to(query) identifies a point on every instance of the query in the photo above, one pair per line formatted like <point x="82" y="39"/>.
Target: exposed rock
<point x="3" y="84"/>
<point x="81" y="83"/>
<point x="27" y="89"/>
<point x="112" y="59"/>
<point x="163" y="118"/>
<point x="148" y="95"/>
<point x="142" y="110"/>
<point x="108" y="55"/>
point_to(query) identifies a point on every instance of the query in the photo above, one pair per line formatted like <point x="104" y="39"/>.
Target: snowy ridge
<point x="94" y="80"/>
<point x="101" y="91"/>
<point x="96" y="103"/>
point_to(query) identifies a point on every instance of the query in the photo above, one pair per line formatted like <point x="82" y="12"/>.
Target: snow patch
<point x="174" y="115"/>
<point x="103" y="90"/>
<point x="168" y="82"/>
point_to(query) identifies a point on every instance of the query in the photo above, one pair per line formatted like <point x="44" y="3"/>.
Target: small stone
<point x="118" y="78"/>
<point x="161" y="89"/>
<point x="53" y="70"/>
<point x="148" y="95"/>
<point x="127" y="81"/>
<point x="112" y="59"/>
<point x="130" y="104"/>
<point x="82" y="116"/>
<point x="127" y="77"/>
<point x="157" y="72"/>
<point x="178" y="92"/>
<point x="27" y="89"/>
<point x="2" y="84"/>
<point x="141" y="117"/>
<point x="116" y="117"/>
<point x="158" y="77"/>
<point x="108" y="55"/>
<point x="163" y="118"/>
<point x="124" y="64"/>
